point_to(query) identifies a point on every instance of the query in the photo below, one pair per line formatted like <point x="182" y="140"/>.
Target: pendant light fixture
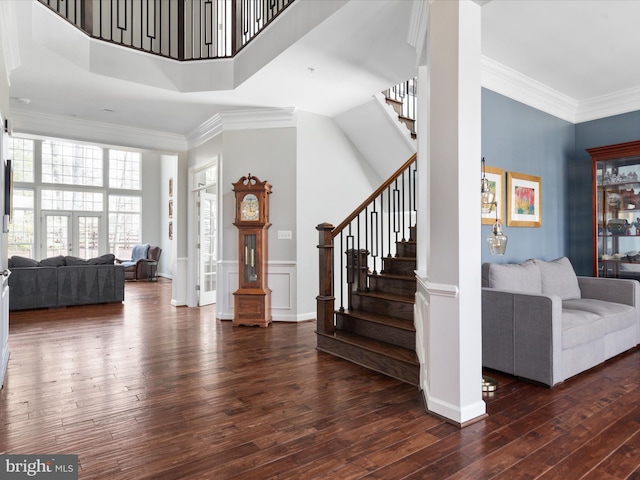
<point x="486" y="195"/>
<point x="497" y="240"/>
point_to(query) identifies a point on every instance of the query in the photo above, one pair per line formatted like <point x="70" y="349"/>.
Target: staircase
<point x="403" y="99"/>
<point x="378" y="331"/>
<point x="367" y="266"/>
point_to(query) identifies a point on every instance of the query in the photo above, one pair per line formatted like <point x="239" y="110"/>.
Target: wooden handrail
<point x="373" y="196"/>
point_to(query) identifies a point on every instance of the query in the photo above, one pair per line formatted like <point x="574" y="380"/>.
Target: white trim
<point x="73" y="128"/>
<point x="282" y="280"/>
<point x="506" y="81"/>
<point x="204" y="132"/>
<point x="437" y="289"/>
<point x="258" y="118"/>
<point x="464" y="414"/>
<point x="510" y="83"/>
<point x="417" y="31"/>
<point x="608" y="105"/>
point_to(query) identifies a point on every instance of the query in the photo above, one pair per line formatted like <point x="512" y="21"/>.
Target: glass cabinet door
<point x="618" y="217"/>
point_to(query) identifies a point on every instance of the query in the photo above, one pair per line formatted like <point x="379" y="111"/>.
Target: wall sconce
<point x="497" y="240"/>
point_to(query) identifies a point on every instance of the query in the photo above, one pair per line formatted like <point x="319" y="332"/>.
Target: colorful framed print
<point x="495" y="177"/>
<point x="524" y="200"/>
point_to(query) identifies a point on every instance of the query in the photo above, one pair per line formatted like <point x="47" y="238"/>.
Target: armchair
<point x="143" y="263"/>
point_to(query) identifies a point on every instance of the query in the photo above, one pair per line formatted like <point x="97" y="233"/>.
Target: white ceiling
<point x="578" y="52"/>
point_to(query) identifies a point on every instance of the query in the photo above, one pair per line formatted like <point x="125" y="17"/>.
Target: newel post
<point x="325" y="298"/>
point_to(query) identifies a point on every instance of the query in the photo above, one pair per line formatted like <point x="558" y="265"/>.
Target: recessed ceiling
<point x="582" y="49"/>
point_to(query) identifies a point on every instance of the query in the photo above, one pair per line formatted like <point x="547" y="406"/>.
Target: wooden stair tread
<point x="381" y="348"/>
<point x="380" y="319"/>
<point x="387" y="296"/>
<point x="397" y="276"/>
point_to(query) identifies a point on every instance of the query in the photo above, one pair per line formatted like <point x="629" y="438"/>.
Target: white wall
<point x="168" y="170"/>
<point x="332" y="180"/>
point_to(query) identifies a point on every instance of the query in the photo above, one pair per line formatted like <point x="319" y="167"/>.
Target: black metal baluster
<point x="396" y="208"/>
<point x="374" y="236"/>
<point x="341" y="269"/>
<point x="350" y="264"/>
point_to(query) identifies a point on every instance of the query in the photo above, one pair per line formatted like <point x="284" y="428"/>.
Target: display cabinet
<point x="616" y="205"/>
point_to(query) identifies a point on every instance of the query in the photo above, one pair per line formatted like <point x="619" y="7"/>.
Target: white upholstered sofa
<point x="543" y="323"/>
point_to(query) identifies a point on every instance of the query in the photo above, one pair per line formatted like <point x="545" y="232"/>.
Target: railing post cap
<point x="324" y="226"/>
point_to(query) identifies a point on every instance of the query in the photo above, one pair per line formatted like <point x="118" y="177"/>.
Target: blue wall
<point x="596" y="133"/>
<point x="521" y="139"/>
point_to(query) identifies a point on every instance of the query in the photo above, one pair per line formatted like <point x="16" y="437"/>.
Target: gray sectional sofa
<point x="543" y="323"/>
<point x="64" y="281"/>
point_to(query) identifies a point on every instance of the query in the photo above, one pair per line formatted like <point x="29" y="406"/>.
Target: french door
<point x="78" y="234"/>
<point x="208" y="251"/>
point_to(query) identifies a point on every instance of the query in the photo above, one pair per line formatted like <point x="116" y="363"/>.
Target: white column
<point x="448" y="303"/>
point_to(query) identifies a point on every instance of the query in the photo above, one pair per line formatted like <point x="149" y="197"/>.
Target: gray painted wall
<point x="521" y="139"/>
<point x="269" y="154"/>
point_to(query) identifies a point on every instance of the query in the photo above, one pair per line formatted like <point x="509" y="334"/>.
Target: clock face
<point x="250" y="208"/>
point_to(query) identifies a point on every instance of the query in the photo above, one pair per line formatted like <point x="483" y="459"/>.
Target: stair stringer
<point x="377" y="133"/>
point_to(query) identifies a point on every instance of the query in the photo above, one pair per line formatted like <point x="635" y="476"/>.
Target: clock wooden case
<point x="252" y="300"/>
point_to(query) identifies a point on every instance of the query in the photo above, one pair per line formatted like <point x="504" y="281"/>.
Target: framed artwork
<point x="524" y="200"/>
<point x="171" y="187"/>
<point x="171" y="208"/>
<point x="170" y="230"/>
<point x="495" y="177"/>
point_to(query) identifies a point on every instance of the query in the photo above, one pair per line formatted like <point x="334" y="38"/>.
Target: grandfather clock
<point x="252" y="300"/>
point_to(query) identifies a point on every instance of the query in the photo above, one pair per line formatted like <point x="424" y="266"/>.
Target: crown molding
<point x="106" y="133"/>
<point x="260" y="118"/>
<point x="417" y="31"/>
<point x="506" y="81"/>
<point x="204" y="132"/>
<point x="609" y="105"/>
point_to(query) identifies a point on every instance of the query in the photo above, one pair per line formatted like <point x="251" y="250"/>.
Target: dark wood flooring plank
<point x="144" y="390"/>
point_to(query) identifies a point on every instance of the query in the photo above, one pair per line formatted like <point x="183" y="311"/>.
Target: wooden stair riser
<point x="396" y="285"/>
<point x="382" y="306"/>
<point x="406" y="249"/>
<point x="385" y="333"/>
<point x="399" y="265"/>
<point x="403" y="371"/>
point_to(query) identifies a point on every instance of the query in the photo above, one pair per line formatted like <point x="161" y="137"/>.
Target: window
<point x="71" y="164"/>
<point x="72" y="201"/>
<point x="21" y="152"/>
<point x="124" y="224"/>
<point x="21" y="231"/>
<point x="98" y="191"/>
<point x="124" y="170"/>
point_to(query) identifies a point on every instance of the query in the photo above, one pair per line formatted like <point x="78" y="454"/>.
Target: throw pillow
<point x="106" y="259"/>
<point x="18" y="262"/>
<point x="520" y="277"/>
<point x="74" y="261"/>
<point x="559" y="278"/>
<point x="53" y="261"/>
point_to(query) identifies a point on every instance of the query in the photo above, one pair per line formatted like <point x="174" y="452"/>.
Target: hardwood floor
<point x="145" y="390"/>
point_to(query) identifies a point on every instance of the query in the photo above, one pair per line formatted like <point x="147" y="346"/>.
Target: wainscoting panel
<point x="283" y="284"/>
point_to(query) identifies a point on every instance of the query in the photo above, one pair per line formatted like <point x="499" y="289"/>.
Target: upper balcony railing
<point x="178" y="29"/>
